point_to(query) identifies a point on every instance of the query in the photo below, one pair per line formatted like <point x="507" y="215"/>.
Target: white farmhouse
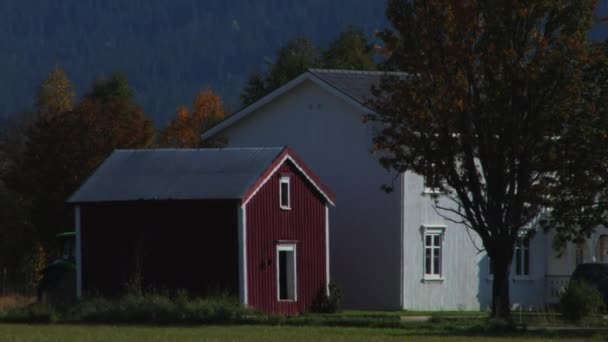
<point x="390" y="250"/>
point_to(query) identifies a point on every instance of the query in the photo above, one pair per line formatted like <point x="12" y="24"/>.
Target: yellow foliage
<point x="184" y="131"/>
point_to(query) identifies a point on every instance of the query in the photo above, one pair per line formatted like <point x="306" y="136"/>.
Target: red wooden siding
<point x="267" y="225"/>
<point x="189" y="245"/>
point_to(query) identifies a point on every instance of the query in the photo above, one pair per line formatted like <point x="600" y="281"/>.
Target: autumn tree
<point x="185" y="130"/>
<point x="62" y="150"/>
<point x="578" y="193"/>
<point x="56" y="94"/>
<point x="494" y="95"/>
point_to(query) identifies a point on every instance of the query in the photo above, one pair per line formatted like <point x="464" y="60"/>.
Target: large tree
<point x="492" y="89"/>
<point x="63" y="149"/>
<point x="578" y="194"/>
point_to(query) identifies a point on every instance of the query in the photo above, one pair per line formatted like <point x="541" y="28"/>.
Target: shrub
<point x="34" y="313"/>
<point x="328" y="304"/>
<point x="580" y="301"/>
<point x="151" y="308"/>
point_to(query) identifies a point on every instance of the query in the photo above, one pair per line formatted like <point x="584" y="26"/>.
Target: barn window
<point x="432" y="253"/>
<point x="286" y="272"/>
<point x="522" y="257"/>
<point x="284" y="192"/>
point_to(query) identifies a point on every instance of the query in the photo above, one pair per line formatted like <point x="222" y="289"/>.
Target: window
<point x="522" y="257"/>
<point x="432" y="254"/>
<point x="432" y="181"/>
<point x="284" y="192"/>
<point x="602" y="249"/>
<point x="286" y="272"/>
<point x="579" y="253"/>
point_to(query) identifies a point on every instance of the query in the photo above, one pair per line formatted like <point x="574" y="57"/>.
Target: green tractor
<point x="58" y="282"/>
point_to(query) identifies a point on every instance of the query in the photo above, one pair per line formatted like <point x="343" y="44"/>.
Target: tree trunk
<point x="501" y="301"/>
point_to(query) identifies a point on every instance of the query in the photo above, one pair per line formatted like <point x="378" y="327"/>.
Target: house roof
<point x="353" y="86"/>
<point x="184" y="174"/>
<point x="354" y="83"/>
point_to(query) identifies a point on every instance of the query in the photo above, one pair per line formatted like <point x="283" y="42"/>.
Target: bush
<point x="328" y="304"/>
<point x="149" y="308"/>
<point x="580" y="301"/>
<point x="34" y="313"/>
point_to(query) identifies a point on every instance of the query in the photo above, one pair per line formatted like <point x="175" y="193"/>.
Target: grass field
<point x="69" y="333"/>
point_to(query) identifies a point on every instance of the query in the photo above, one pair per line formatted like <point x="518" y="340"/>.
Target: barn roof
<point x="181" y="174"/>
<point x="354" y="86"/>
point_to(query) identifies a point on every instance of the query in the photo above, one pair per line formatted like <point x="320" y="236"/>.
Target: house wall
<point x="329" y="135"/>
<point x="188" y="245"/>
<point x="565" y="263"/>
<point x="267" y="225"/>
<point x="466" y="283"/>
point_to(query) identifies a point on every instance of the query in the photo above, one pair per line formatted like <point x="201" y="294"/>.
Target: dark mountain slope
<point x="168" y="49"/>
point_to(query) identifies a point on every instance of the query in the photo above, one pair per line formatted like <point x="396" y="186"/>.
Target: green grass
<point x="414" y="313"/>
<point x="84" y="333"/>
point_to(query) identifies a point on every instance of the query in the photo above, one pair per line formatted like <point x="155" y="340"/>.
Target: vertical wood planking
<point x="268" y="224"/>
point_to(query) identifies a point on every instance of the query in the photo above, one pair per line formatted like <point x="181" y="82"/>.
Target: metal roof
<point x="354" y="83"/>
<point x="176" y="174"/>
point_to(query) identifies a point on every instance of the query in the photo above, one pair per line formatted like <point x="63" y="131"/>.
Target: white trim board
<point x="78" y="252"/>
<point x="289" y="247"/>
<point x="285" y="180"/>
<point x="327" y="248"/>
<point x="281" y="162"/>
<point x="242" y="242"/>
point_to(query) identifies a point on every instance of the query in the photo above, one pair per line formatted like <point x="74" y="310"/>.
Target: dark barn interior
<point x="168" y="245"/>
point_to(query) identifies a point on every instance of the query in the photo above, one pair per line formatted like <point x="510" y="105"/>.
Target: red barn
<point x="246" y="221"/>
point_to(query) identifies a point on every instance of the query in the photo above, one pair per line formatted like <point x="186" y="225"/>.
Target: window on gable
<point x="432" y="254"/>
<point x="522" y="257"/>
<point x="285" y="192"/>
<point x="286" y="272"/>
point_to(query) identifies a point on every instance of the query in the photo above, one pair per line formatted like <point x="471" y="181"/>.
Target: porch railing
<point x="554" y="287"/>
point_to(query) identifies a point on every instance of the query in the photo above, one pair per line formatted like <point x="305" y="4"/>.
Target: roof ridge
<point x="202" y="149"/>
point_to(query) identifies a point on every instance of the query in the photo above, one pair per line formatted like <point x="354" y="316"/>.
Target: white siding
<point x="461" y="284"/>
<point x="329" y="135"/>
<point x="466" y="284"/>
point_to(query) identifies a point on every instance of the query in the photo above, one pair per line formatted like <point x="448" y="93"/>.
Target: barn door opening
<point x="286" y="272"/>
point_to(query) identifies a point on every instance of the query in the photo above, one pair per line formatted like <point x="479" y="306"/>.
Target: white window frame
<point x="288" y="247"/>
<point x="521" y="248"/>
<point x="285" y="180"/>
<point x="433" y="231"/>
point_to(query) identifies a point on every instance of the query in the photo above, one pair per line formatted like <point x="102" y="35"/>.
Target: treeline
<point x="46" y="153"/>
<point x="168" y="49"/>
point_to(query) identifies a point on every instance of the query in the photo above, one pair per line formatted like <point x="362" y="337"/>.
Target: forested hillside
<point x="167" y="49"/>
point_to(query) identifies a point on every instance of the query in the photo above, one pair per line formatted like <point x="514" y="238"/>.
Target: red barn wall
<point x="190" y="245"/>
<point x="267" y="224"/>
